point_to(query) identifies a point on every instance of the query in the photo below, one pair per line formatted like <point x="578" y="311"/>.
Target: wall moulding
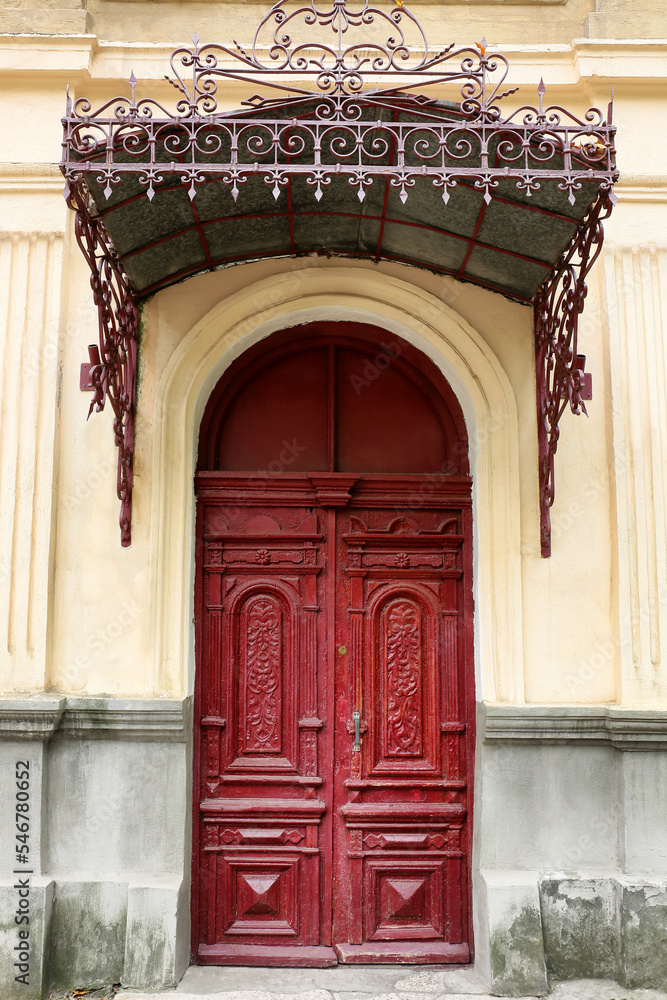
<point x="139" y="720"/>
<point x="635" y="278"/>
<point x="30" y="718"/>
<point x="29" y="177"/>
<point x="621" y="728"/>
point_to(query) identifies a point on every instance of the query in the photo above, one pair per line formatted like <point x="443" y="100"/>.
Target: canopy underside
<point x="375" y="207"/>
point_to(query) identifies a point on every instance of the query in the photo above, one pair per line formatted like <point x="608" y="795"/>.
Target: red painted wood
<point x="401" y="803"/>
<point x="320" y="595"/>
<point x="333" y="397"/>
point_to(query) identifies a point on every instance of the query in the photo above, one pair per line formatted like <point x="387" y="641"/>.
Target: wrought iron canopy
<point x="361" y="142"/>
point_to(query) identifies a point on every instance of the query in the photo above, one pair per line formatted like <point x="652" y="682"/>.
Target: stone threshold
<point x="366" y="983"/>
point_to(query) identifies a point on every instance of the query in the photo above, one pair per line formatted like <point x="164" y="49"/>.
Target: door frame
<point x="449" y="398"/>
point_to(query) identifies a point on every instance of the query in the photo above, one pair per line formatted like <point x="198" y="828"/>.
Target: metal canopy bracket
<point x="561" y="379"/>
<point x="339" y="99"/>
<point x="111" y="371"/>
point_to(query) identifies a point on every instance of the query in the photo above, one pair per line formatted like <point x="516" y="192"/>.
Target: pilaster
<point x="30" y="290"/>
<point x="636" y="302"/>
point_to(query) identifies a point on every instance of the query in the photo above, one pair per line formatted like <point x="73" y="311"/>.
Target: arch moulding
<point x="473" y="371"/>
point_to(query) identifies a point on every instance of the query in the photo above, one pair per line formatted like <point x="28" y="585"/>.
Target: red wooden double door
<point x="334" y="699"/>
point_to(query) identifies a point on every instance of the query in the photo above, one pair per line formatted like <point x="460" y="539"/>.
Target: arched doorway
<point x="334" y="731"/>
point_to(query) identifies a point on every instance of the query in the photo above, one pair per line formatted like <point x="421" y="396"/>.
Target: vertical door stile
<point x="331" y="735"/>
<point x="213" y="723"/>
<point x="310" y="726"/>
<point x="356" y="782"/>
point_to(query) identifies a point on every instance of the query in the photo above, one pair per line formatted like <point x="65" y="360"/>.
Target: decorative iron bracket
<point x="111" y="372"/>
<point x="561" y="380"/>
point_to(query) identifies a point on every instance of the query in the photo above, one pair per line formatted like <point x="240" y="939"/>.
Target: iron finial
<point x="541" y="90"/>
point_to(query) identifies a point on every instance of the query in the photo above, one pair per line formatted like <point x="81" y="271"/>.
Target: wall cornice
<point x="622" y="728"/>
<point x="85" y="57"/>
<point x="27" y="178"/>
<point x="153" y="719"/>
<point x="139" y="720"/>
<point x="30" y="718"/>
<point x="641" y="189"/>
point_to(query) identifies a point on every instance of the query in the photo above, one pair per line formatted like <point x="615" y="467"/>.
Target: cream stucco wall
<point x="80" y="615"/>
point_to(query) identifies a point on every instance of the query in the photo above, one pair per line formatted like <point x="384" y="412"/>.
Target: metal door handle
<point x="356" y="717"/>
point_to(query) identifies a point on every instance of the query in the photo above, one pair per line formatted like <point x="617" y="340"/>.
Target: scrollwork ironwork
<point x="561" y="380"/>
<point x="353" y="84"/>
<point x="112" y="371"/>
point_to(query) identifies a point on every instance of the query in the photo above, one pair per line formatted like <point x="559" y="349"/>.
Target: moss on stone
<point x="517" y="955"/>
<point x="580" y="927"/>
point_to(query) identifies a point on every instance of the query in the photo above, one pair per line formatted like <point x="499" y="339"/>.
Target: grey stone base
<point x="109" y="823"/>
<point x="548" y="928"/>
<point x="34" y="976"/>
<point x="90" y="934"/>
<point x="580" y="927"/>
<point x="517" y="965"/>
<point x="643" y="933"/>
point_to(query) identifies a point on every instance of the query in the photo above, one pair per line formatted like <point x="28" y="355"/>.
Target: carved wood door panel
<point x="401" y="842"/>
<point x="319" y="840"/>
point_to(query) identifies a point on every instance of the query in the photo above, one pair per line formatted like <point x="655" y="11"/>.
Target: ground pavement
<point x="355" y="983"/>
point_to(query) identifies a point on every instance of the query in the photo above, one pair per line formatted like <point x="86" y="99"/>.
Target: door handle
<point x="356" y="717"/>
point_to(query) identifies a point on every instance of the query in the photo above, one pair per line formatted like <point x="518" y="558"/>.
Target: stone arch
<point x="472" y="370"/>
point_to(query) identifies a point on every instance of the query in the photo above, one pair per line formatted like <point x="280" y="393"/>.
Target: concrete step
<point x="366" y="983"/>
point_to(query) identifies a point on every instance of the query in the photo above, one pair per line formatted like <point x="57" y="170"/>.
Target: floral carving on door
<point x="263" y="670"/>
<point x="403" y="672"/>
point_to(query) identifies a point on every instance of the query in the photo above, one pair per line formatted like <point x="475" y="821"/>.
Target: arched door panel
<point x="319" y="401"/>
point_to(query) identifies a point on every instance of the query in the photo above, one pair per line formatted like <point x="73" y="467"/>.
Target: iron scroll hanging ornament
<point x="560" y="377"/>
<point x="110" y="373"/>
<point x="347" y="93"/>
